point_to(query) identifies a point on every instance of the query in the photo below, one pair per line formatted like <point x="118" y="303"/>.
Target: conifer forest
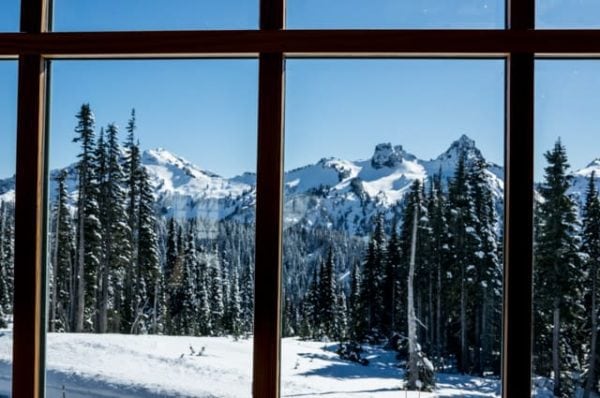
<point x="422" y="276"/>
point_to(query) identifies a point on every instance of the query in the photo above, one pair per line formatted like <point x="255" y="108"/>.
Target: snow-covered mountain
<point x="581" y="180"/>
<point x="334" y="193"/>
<point x="347" y="194"/>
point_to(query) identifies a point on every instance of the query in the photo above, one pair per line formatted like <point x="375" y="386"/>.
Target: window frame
<point x="518" y="44"/>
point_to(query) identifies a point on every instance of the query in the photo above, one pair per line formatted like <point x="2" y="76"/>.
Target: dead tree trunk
<point x="413" y="355"/>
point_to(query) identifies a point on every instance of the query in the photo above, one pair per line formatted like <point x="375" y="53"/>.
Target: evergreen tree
<point x="312" y="307"/>
<point x="438" y="253"/>
<point x="89" y="235"/>
<point x="392" y="288"/>
<point x="557" y="277"/>
<point x="328" y="296"/>
<point x="132" y="175"/>
<point x="215" y="284"/>
<point x="590" y="247"/>
<point x="205" y="315"/>
<point x="188" y="317"/>
<point x="235" y="306"/>
<point x="488" y="291"/>
<point x="247" y="285"/>
<point x="148" y="262"/>
<point x="463" y="245"/>
<point x="340" y="331"/>
<point x="372" y="280"/>
<point x="358" y="326"/>
<point x="172" y="272"/>
<point x="62" y="260"/>
<point x="116" y="242"/>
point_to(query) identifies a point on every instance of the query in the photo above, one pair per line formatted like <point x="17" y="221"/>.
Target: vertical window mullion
<point x="518" y="239"/>
<point x="28" y="331"/>
<point x="269" y="205"/>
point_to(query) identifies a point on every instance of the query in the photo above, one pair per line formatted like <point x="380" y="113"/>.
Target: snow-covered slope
<point x="346" y="195"/>
<point x="581" y="180"/>
<point x="333" y="193"/>
<point x="129" y="366"/>
<point x="184" y="191"/>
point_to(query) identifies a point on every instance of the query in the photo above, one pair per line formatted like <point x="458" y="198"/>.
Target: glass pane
<point x="567" y="14"/>
<point x="8" y="128"/>
<point x="110" y="15"/>
<point x="394" y="14"/>
<point x="393" y="226"/>
<point x="9" y="15"/>
<point x="151" y="228"/>
<point x="567" y="239"/>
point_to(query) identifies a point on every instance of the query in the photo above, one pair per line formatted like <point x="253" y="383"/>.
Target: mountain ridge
<point x="331" y="193"/>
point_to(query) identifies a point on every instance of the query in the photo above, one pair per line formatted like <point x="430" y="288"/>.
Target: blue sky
<point x="8" y="116"/>
<point x="243" y="14"/>
<point x="205" y="110"/>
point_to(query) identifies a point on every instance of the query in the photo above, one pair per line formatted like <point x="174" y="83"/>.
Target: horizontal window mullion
<point x="315" y="43"/>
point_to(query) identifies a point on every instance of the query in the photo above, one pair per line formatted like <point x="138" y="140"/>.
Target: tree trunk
<point x="155" y="310"/>
<point x="103" y="313"/>
<point x="430" y="311"/>
<point x="79" y="278"/>
<point x="52" y="321"/>
<point x="412" y="321"/>
<point x="485" y="333"/>
<point x="591" y="377"/>
<point x="555" y="347"/>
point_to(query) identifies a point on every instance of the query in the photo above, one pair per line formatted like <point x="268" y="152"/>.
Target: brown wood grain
<point x="269" y="211"/>
<point x="29" y="231"/>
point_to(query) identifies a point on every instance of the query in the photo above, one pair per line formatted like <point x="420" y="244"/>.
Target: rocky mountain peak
<point x="464" y="145"/>
<point x="386" y="155"/>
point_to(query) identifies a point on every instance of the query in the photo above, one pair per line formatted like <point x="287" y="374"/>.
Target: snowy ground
<point x="100" y="366"/>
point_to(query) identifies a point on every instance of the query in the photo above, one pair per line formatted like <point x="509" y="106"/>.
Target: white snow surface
<point x="93" y="365"/>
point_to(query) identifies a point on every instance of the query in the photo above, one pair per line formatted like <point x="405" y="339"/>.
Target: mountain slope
<point x="332" y="193"/>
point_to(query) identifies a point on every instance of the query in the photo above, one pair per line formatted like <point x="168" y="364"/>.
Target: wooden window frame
<point x="519" y="43"/>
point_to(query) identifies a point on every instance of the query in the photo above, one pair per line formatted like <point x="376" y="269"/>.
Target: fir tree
<point x="372" y="281"/>
<point x="89" y="235"/>
<point x="340" y="331"/>
<point x="327" y="296"/>
<point x="235" y="306"/>
<point x="392" y="299"/>
<point x="188" y="317"/>
<point x="488" y="291"/>
<point x="172" y="271"/>
<point x="463" y="247"/>
<point x="358" y="326"/>
<point x="62" y="260"/>
<point x="590" y="247"/>
<point x="132" y="171"/>
<point x="215" y="284"/>
<point x="116" y="242"/>
<point x="149" y="272"/>
<point x="557" y="276"/>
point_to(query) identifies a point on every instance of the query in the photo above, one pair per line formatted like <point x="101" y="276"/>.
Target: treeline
<point x="457" y="281"/>
<point x="116" y="267"/>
